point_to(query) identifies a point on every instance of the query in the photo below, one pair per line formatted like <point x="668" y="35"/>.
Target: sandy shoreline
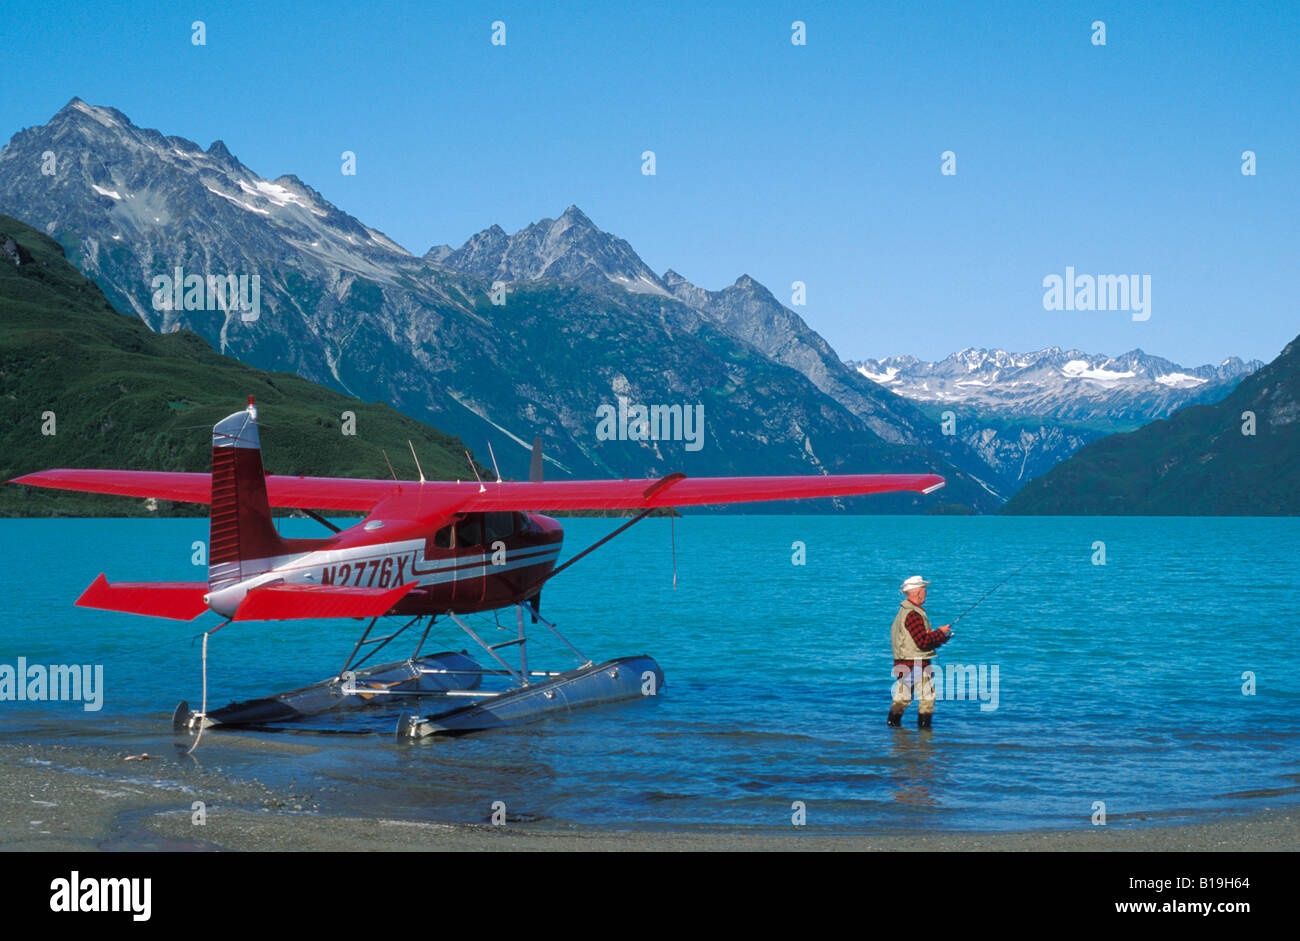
<point x="55" y="798"/>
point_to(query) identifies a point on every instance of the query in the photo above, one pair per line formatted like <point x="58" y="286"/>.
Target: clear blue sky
<point x="817" y="163"/>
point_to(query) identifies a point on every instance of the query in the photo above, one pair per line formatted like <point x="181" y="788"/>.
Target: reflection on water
<point x="913" y="767"/>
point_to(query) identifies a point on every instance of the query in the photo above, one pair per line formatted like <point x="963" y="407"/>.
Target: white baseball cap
<point x="912" y="584"/>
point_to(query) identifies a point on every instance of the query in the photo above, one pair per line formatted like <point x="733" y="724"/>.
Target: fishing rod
<point x="980" y="601"/>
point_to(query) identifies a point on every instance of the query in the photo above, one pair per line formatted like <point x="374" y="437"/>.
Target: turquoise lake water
<point x="1121" y="683"/>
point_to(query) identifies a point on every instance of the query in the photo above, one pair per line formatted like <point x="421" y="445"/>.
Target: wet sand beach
<point x="71" y="797"/>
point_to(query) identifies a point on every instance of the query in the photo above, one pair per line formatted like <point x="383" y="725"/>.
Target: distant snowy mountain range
<point x="1126" y="390"/>
<point x="1024" y="413"/>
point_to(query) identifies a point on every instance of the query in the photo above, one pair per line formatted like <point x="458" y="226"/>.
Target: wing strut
<point x="318" y="518"/>
<point x="666" y="481"/>
<point x="600" y="542"/>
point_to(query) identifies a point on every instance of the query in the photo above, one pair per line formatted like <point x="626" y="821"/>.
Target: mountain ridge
<point x="1067" y="384"/>
<point x="342" y="305"/>
<point x="572" y="248"/>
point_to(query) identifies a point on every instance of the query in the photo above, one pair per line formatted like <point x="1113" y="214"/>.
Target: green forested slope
<point x="125" y="397"/>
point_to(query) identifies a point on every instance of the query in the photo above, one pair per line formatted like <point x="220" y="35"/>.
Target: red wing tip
<point x="38" y="478"/>
<point x="91" y="590"/>
<point x="935" y="486"/>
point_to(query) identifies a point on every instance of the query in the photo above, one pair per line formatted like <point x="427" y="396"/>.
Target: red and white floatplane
<point x="425" y="550"/>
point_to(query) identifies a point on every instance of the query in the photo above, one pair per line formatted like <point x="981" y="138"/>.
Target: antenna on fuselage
<point x="481" y="488"/>
<point x="417" y="460"/>
<point x="389" y="463"/>
<point x="494" y="462"/>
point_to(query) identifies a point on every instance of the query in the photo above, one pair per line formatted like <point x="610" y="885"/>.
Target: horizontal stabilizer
<point x="289" y="602"/>
<point x="180" y="601"/>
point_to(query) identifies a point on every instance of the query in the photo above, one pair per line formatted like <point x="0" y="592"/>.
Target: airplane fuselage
<point x="479" y="562"/>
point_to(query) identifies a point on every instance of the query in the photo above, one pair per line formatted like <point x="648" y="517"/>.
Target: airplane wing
<point x="325" y="493"/>
<point x="680" y="490"/>
<point x="406" y="497"/>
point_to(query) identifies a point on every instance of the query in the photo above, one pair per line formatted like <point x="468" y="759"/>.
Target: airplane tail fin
<point x="242" y="540"/>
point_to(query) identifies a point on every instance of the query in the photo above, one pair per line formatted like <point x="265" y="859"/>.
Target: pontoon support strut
<point x="521" y="680"/>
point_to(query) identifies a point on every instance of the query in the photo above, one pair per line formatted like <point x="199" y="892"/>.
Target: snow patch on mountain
<point x="238" y="202"/>
<point x="1081" y="369"/>
<point x="276" y="194"/>
<point x="884" y="378"/>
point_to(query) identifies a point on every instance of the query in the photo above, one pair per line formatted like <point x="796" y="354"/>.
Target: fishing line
<point x="672" y="538"/>
<point x="980" y="601"/>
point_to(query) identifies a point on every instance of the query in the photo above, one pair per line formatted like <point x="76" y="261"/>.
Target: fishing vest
<point x="904" y="646"/>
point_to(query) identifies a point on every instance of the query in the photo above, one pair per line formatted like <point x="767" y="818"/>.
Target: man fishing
<point x="914" y="645"/>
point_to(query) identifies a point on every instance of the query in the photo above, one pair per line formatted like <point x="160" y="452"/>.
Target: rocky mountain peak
<point x="570" y="248"/>
<point x="575" y="216"/>
<point x="219" y="151"/>
<point x="79" y="111"/>
<point x="171" y="201"/>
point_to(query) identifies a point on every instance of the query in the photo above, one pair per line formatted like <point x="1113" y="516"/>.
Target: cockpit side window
<point x="469" y="531"/>
<point x="498" y="526"/>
